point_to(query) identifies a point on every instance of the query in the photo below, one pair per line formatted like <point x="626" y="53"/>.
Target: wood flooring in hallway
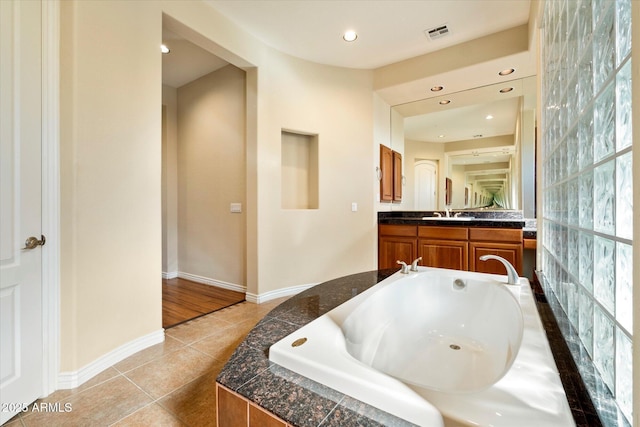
<point x="184" y="300"/>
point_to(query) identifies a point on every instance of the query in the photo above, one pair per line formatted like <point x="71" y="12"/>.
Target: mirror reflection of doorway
<point x="426" y="180"/>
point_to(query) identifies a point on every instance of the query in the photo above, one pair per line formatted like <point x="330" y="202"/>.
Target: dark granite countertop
<point x="476" y="222"/>
<point x="492" y="219"/>
<point x="302" y="402"/>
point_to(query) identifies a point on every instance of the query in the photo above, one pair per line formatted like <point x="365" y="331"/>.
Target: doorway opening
<point x="203" y="181"/>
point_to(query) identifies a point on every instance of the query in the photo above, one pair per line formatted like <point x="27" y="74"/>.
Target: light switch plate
<point x="236" y="207"/>
<point x="354" y="207"/>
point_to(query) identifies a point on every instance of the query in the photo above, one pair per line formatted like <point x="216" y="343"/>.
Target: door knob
<point x="33" y="242"/>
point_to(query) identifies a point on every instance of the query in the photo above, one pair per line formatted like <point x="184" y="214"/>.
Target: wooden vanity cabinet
<point x="390" y="175"/>
<point x="503" y="242"/>
<point x="457" y="248"/>
<point x="386" y="171"/>
<point x="444" y="247"/>
<point x="396" y="242"/>
<point x="397" y="176"/>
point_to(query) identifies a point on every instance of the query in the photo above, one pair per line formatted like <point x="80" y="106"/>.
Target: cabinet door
<point x="444" y="253"/>
<point x="397" y="177"/>
<point x="512" y="252"/>
<point x="392" y="249"/>
<point x="386" y="167"/>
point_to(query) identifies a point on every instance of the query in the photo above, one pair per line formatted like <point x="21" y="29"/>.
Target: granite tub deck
<point x="298" y="400"/>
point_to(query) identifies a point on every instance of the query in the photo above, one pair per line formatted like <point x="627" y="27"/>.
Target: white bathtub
<point x="469" y="328"/>
<point x="407" y="346"/>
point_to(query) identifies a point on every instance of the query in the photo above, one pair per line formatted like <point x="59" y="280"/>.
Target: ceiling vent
<point x="437" y="32"/>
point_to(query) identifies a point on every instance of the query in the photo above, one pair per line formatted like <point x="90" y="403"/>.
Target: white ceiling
<point x="388" y="30"/>
<point x="447" y="125"/>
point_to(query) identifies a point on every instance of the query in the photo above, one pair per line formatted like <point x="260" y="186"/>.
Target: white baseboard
<point x="212" y="282"/>
<point x="250" y="297"/>
<point x="67" y="380"/>
<point x="278" y="293"/>
<point x="169" y="275"/>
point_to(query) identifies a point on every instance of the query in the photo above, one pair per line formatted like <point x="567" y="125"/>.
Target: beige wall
<point x="458" y="180"/>
<point x="298" y="247"/>
<point x="169" y="181"/>
<point x="211" y="176"/>
<point x="110" y="182"/>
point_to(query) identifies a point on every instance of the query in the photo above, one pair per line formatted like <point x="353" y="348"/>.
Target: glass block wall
<point x="587" y="181"/>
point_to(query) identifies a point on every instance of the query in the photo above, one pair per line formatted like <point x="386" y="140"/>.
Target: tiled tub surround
<point x="586" y="218"/>
<point x="421" y="314"/>
<point x="303" y="402"/>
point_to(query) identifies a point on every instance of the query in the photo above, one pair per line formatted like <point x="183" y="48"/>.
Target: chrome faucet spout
<point x="414" y="264"/>
<point x="405" y="267"/>
<point x="512" y="274"/>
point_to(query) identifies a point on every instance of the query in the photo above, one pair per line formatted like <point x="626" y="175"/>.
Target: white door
<point x="21" y="341"/>
<point x="425" y="180"/>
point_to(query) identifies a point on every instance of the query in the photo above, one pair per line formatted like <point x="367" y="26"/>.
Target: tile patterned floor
<point x="169" y="384"/>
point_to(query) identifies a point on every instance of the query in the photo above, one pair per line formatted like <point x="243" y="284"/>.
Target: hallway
<point x="184" y="300"/>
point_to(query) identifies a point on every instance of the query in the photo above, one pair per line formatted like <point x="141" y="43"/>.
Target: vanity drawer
<point x="495" y="235"/>
<point x="444" y="233"/>
<point x="398" y="230"/>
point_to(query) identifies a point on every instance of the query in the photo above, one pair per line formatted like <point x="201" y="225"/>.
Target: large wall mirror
<point x="480" y="141"/>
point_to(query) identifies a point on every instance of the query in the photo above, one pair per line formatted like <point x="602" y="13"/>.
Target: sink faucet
<point x="438" y="214"/>
<point x="447" y="211"/>
<point x="414" y="264"/>
<point x="405" y="267"/>
<point x="512" y="274"/>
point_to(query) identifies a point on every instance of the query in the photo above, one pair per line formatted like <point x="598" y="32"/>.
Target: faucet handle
<point x="405" y="267"/>
<point x="414" y="264"/>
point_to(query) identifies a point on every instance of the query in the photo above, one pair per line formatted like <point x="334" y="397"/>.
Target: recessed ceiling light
<point x="507" y="71"/>
<point x="444" y="102"/>
<point x="440" y="136"/>
<point x="437" y="88"/>
<point x="164" y="48"/>
<point x="489" y="117"/>
<point x="349" y="36"/>
<point x="506" y="89"/>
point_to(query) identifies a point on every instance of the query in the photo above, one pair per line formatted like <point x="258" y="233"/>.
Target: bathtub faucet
<point x="414" y="264"/>
<point x="405" y="267"/>
<point x="512" y="274"/>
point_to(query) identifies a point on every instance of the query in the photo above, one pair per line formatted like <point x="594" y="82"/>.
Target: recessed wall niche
<point x="299" y="170"/>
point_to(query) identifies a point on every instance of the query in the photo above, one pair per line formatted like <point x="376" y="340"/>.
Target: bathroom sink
<point x="451" y="218"/>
